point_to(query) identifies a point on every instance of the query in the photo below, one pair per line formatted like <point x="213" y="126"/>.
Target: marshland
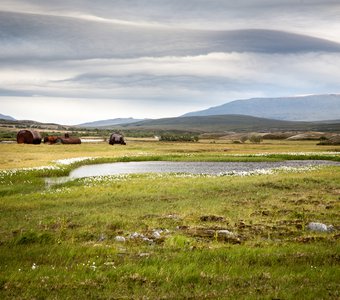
<point x="169" y="149"/>
<point x="161" y="235"/>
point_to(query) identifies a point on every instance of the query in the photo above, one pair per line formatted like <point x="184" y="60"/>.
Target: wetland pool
<point x="207" y="168"/>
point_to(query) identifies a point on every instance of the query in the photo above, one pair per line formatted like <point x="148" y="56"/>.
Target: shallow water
<point x="209" y="168"/>
<point x="92" y="140"/>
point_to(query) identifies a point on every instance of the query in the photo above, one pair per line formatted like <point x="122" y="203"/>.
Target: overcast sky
<point x="73" y="61"/>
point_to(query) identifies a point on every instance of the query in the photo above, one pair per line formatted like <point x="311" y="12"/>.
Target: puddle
<point x="84" y="140"/>
<point x="209" y="168"/>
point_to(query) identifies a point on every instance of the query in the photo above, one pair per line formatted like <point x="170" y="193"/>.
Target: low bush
<point x="179" y="138"/>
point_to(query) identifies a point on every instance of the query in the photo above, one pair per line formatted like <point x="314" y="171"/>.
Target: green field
<point x="164" y="236"/>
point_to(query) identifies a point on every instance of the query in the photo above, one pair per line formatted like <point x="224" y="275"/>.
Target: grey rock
<point x="225" y="233"/>
<point x="136" y="235"/>
<point x="156" y="234"/>
<point x="119" y="238"/>
<point x="145" y="239"/>
<point x="320" y="227"/>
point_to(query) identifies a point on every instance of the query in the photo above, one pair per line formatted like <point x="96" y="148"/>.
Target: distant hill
<point x="306" y="108"/>
<point x="110" y="122"/>
<point x="196" y="124"/>
<point x="221" y="123"/>
<point x="33" y="124"/>
<point x="4" y="117"/>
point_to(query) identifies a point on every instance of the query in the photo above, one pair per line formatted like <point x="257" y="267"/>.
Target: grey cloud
<point x="44" y="37"/>
<point x="166" y="82"/>
<point x="317" y="18"/>
<point x="214" y="77"/>
<point x="172" y="9"/>
<point x="143" y="52"/>
<point x="10" y="92"/>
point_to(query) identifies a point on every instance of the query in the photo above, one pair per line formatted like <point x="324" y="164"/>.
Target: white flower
<point x="69" y="161"/>
<point x="287" y="153"/>
<point x="12" y="172"/>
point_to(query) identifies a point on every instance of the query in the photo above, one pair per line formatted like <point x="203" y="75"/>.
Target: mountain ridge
<point x="300" y="108"/>
<point x="6" y="117"/>
<point x="199" y="124"/>
<point x="233" y="122"/>
<point x="109" y="122"/>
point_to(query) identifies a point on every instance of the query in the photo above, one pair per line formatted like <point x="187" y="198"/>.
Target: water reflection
<point x="209" y="168"/>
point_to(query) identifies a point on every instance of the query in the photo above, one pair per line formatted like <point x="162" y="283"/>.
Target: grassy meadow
<point x="168" y="236"/>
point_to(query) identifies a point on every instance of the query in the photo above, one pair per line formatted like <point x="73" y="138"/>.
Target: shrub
<point x="179" y="138"/>
<point x="243" y="138"/>
<point x="256" y="139"/>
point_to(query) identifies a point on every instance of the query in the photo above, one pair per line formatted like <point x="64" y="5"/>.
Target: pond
<point x="209" y="168"/>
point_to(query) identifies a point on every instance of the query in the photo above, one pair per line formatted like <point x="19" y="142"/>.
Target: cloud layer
<point x="161" y="58"/>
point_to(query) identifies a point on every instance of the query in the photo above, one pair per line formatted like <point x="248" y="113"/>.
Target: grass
<point x="59" y="242"/>
<point x="21" y="155"/>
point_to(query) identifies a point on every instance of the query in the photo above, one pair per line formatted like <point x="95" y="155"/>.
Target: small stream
<point x="209" y="168"/>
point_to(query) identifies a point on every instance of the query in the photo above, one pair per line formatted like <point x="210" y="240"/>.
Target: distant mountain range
<point x="110" y="122"/>
<point x="318" y="113"/>
<point x="198" y="124"/>
<point x="222" y="123"/>
<point x="304" y="108"/>
<point x="4" y="117"/>
<point x="202" y="124"/>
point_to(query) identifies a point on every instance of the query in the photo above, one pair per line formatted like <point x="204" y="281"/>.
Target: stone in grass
<point x="119" y="238"/>
<point x="156" y="234"/>
<point x="228" y="236"/>
<point x="320" y="227"/>
<point x="136" y="235"/>
<point x="225" y="232"/>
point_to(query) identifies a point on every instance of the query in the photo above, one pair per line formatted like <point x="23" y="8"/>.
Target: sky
<point x="75" y="61"/>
